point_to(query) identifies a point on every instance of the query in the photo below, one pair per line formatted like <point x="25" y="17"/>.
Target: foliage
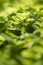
<point x="21" y="37"/>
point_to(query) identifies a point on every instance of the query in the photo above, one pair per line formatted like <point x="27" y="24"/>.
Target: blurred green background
<point x="13" y="49"/>
<point x="12" y="4"/>
<point x="5" y="3"/>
